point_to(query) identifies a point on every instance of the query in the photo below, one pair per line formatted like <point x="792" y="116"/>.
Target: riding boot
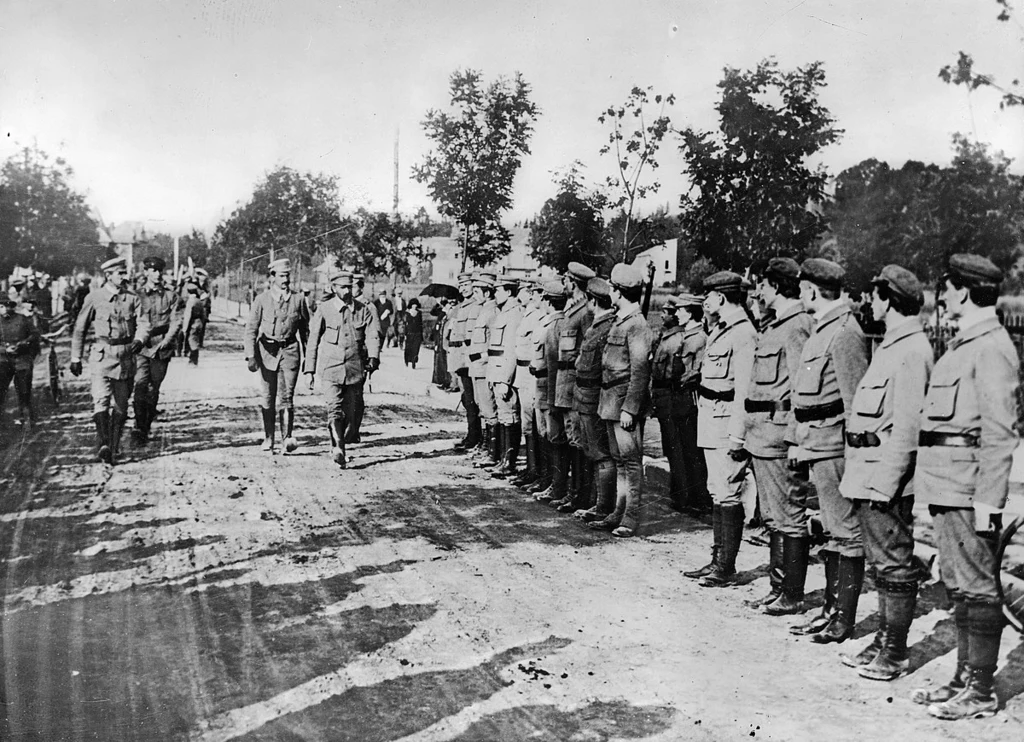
<point x="926" y="696"/>
<point x="484" y="443"/>
<point x="794" y="576"/>
<point x="529" y="475"/>
<point x="268" y="428"/>
<point x="103" y="452"/>
<point x="585" y="498"/>
<point x="510" y="451"/>
<point x="117" y="421"/>
<point x="140" y="433"/>
<point x="572" y="482"/>
<point x="559" y="474"/>
<point x="896" y="603"/>
<point x="821" y="619"/>
<point x="732" y="534"/>
<point x="870" y="653"/>
<point x="851" y="579"/>
<point x="288" y="422"/>
<point x="716" y="528"/>
<point x="336" y="428"/>
<point x="977" y="700"/>
<point x="543" y="465"/>
<point x="775" y="571"/>
<point x="501" y="446"/>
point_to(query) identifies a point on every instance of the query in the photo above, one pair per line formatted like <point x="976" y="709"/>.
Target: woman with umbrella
<point x="413" y="332"/>
<point x="441" y="377"/>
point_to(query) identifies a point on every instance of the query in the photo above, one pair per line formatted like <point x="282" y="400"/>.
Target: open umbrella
<point x="441" y="291"/>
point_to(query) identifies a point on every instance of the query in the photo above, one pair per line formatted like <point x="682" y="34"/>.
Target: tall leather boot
<point x="716" y="527"/>
<point x="510" y="452"/>
<point x="102" y="421"/>
<point x="140" y="433"/>
<point x="529" y="474"/>
<point x="559" y="474"/>
<point x="732" y="534"/>
<point x="117" y="421"/>
<point x="543" y="465"/>
<point x="794" y="576"/>
<point x="897" y="605"/>
<point x="500" y="445"/>
<point x="485" y="443"/>
<point x="287" y="423"/>
<point x="775" y="572"/>
<point x="491" y="455"/>
<point x="821" y="619"/>
<point x="851" y="578"/>
<point x="977" y="700"/>
<point x="572" y="483"/>
<point x="926" y="696"/>
<point x="586" y="497"/>
<point x="268" y="428"/>
<point x="870" y="653"/>
<point x="336" y="428"/>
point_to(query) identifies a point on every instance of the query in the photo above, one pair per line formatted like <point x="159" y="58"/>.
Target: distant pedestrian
<point x="19" y="345"/>
<point x="385" y="313"/>
<point x="413" y="333"/>
<point x="399" y="321"/>
<point x="441" y="377"/>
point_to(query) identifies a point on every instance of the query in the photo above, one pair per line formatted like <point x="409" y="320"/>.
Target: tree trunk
<point x="465" y="247"/>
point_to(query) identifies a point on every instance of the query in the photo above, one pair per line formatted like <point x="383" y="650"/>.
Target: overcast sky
<point x="171" y="111"/>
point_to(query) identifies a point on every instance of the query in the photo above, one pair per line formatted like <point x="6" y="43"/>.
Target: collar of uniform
<point x="910" y="326"/>
<point x="575" y="307"/>
<point x="976" y="317"/>
<point x="604" y="315"/>
<point x="675" y="329"/>
<point x="975" y="330"/>
<point x="692" y="328"/>
<point x="732" y="316"/>
<point x="155" y="288"/>
<point x="833" y="312"/>
<point x="788" y="313"/>
<point x="341" y="303"/>
<point x="111" y="289"/>
<point x="635" y="309"/>
<point x="278" y="295"/>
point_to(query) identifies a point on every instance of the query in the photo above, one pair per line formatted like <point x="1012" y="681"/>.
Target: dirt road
<point x="204" y="590"/>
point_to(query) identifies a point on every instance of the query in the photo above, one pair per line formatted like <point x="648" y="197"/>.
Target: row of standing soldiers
<point x="794" y="402"/>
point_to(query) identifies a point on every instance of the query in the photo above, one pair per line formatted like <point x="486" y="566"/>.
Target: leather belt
<point x="766" y="405"/>
<point x="118" y="341"/>
<point x="659" y="384"/>
<point x="271" y="343"/>
<point x="492" y="352"/>
<point x="475" y="356"/>
<point x="617" y="381"/>
<point x="727" y="396"/>
<point x="161" y="330"/>
<point x="588" y="382"/>
<point x="521" y="362"/>
<point x="929" y="438"/>
<point x="567" y="365"/>
<point x="863" y="440"/>
<point x="819" y="412"/>
<point x="539" y="373"/>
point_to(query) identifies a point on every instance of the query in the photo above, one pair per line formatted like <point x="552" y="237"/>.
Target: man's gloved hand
<point x="882" y="506"/>
<point x="76" y="368"/>
<point x="627" y="421"/>
<point x="987" y="519"/>
<point x="135" y="347"/>
<point x="373" y="364"/>
<point x="739" y="454"/>
<point x="251" y="363"/>
<point x="506" y="393"/>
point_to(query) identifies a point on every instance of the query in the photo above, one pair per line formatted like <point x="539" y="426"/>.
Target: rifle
<point x="648" y="290"/>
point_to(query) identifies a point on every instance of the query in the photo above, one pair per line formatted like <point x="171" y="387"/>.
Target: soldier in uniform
<point x="345" y="338"/>
<point x="525" y="383"/>
<point x="161" y="308"/>
<point x="356" y="399"/>
<point x="501" y="373"/>
<point x="551" y="295"/>
<point x="483" y="291"/>
<point x="832" y="364"/>
<point x="121" y="331"/>
<point x="193" y="322"/>
<point x="546" y="371"/>
<point x="966" y="446"/>
<point x="462" y="321"/>
<point x="768" y="407"/>
<point x="19" y="345"/>
<point x="278" y="327"/>
<point x="685" y="380"/>
<point x="663" y="354"/>
<point x="626" y="398"/>
<point x="881" y="445"/>
<point x="599" y="503"/>
<point x="725" y="379"/>
<point x="578" y="316"/>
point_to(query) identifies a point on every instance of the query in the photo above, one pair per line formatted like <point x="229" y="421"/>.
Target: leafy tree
<point x="294" y="214"/>
<point x="478" y="146"/>
<point x="644" y="232"/>
<point x="44" y="222"/>
<point x="193" y="245"/>
<point x="635" y="151"/>
<point x="962" y="71"/>
<point x="752" y="193"/>
<point x="388" y="245"/>
<point x="427" y="227"/>
<point x="570" y="226"/>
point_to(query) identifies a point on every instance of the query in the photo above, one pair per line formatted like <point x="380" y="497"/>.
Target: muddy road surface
<point x="204" y="590"/>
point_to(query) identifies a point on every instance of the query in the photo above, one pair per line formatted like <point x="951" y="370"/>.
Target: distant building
<point x="447" y="263"/>
<point x="664" y="257"/>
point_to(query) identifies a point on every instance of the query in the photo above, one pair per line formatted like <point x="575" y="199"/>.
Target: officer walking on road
<point x="121" y="328"/>
<point x="967" y="441"/>
<point x="19" y="345"/>
<point x="161" y="308"/>
<point x="277" y="329"/>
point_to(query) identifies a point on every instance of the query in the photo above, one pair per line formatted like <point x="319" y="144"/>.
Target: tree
<point x="44" y="222"/>
<point x="570" y="226"/>
<point x="752" y="193"/>
<point x="962" y="71"/>
<point x="388" y="245"/>
<point x="479" y="143"/>
<point x="292" y="214"/>
<point x="194" y="246"/>
<point x="644" y="232"/>
<point x="635" y="151"/>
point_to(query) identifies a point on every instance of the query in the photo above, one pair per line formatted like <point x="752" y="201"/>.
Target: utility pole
<point x="394" y="206"/>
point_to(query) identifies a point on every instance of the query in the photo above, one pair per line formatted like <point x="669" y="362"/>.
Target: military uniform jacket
<point x="160" y="306"/>
<point x="776" y="363"/>
<point x="117" y="320"/>
<point x="686" y="367"/>
<point x="972" y="392"/>
<point x="479" y="339"/>
<point x="888" y="405"/>
<point x="832" y="364"/>
<point x="589" y="372"/>
<point x="338" y="335"/>
<point x="662" y="368"/>
<point x="501" y="343"/>
<point x="547" y="372"/>
<point x="725" y="370"/>
<point x="526" y="346"/>
<point x="457" y="359"/>
<point x="276" y="329"/>
<point x="626" y="367"/>
<point x="570" y="337"/>
<point x="19" y="333"/>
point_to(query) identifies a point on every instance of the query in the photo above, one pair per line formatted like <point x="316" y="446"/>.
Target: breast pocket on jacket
<point x="941" y="401"/>
<point x="766" y="366"/>
<point x="812" y="376"/>
<point x="870" y="400"/>
<point x="332" y="334"/>
<point x="566" y="343"/>
<point x="497" y="336"/>
<point x="615" y="358"/>
<point x="716" y="364"/>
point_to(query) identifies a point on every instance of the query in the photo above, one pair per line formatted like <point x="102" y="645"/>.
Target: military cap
<point x="900" y="281"/>
<point x="202" y="272"/>
<point x="154" y="263"/>
<point x="723" y="281"/>
<point x="358" y="277"/>
<point x="283" y="265"/>
<point x="340" y="277"/>
<point x="113" y="264"/>
<point x="580" y="272"/>
<point x="689" y="300"/>
<point x="599" y="287"/>
<point x="17" y="281"/>
<point x="974" y="270"/>
<point x="464" y="277"/>
<point x="782" y="268"/>
<point x="822" y="272"/>
<point x="483" y="279"/>
<point x="507" y="280"/>
<point x="670" y="304"/>
<point x="626" y="276"/>
<point x="553" y="289"/>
